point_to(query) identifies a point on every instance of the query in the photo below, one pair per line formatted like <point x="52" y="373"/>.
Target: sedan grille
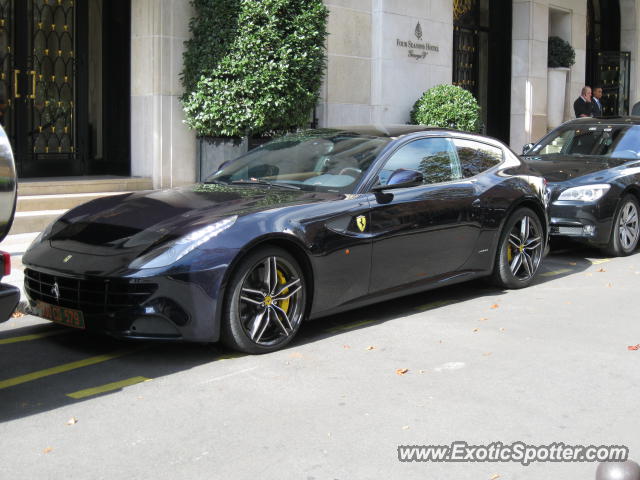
<point x="87" y="295"/>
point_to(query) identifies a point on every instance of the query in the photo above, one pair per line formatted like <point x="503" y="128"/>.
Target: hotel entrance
<point x="64" y="85"/>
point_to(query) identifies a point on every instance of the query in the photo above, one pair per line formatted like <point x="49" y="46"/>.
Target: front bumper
<point x="9" y="298"/>
<point x="180" y="307"/>
<point x="584" y="222"/>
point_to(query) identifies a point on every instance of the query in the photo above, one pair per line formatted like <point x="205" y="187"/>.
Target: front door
<point x="426" y="232"/>
<point x="38" y="84"/>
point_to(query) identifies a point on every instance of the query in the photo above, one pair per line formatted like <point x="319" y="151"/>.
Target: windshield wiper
<point x="264" y="182"/>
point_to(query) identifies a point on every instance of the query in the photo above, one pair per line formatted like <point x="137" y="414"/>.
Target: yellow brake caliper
<point x="284" y="304"/>
<point x="509" y="253"/>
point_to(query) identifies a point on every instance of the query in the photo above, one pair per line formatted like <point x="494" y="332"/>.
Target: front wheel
<point x="625" y="230"/>
<point x="266" y="302"/>
<point x="520" y="250"/>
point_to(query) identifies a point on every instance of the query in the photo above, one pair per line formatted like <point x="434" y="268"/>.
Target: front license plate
<point x="65" y="316"/>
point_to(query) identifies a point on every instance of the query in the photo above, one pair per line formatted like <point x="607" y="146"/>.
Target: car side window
<point x="476" y="157"/>
<point x="435" y="158"/>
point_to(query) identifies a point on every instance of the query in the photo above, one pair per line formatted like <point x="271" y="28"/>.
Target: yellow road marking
<point x="598" y="262"/>
<point x="556" y="272"/>
<point x="108" y="387"/>
<point x="35" y="336"/>
<point x="11" y="382"/>
<point x="432" y="305"/>
<point x="350" y="326"/>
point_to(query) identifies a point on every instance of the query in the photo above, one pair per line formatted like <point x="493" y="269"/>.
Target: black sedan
<point x="593" y="169"/>
<point x="305" y="226"/>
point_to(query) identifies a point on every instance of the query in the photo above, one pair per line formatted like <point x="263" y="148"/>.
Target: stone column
<point x="529" y="66"/>
<point x="529" y="72"/>
<point x="630" y="42"/>
<point x="161" y="145"/>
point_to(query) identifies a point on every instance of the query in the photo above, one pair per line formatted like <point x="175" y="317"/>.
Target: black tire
<point x="260" y="318"/>
<point x="520" y="250"/>
<point x="625" y="229"/>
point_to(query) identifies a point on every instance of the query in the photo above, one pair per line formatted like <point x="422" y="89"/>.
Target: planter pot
<point x="214" y="151"/>
<point x="556" y="88"/>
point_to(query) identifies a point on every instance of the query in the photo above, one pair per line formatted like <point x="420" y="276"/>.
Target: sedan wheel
<point x="625" y="231"/>
<point x="520" y="251"/>
<point x="267" y="303"/>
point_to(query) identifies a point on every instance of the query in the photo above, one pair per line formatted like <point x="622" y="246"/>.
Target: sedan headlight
<point x="586" y="193"/>
<point x="175" y="250"/>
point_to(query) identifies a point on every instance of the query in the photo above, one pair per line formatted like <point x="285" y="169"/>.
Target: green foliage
<point x="561" y="53"/>
<point x="447" y="106"/>
<point x="253" y="66"/>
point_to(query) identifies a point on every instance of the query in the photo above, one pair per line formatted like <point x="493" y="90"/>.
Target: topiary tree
<point x="447" y="106"/>
<point x="561" y="53"/>
<point x="253" y="66"/>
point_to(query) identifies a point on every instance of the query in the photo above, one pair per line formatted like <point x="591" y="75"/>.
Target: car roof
<point x="385" y="130"/>
<point x="604" y="121"/>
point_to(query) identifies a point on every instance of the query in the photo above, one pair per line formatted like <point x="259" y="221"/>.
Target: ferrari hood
<point x="561" y="168"/>
<point x="134" y="223"/>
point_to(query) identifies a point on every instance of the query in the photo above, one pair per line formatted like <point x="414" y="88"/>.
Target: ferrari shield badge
<point x="361" y="221"/>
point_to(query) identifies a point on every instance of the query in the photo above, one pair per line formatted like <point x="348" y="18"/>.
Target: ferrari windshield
<point x="611" y="141"/>
<point x="319" y="160"/>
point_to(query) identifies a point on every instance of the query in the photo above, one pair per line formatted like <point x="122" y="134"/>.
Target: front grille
<point x="88" y="295"/>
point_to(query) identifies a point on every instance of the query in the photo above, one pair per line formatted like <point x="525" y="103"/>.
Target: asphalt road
<point x="546" y="364"/>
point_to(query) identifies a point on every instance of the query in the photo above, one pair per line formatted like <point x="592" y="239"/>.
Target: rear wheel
<point x="266" y="302"/>
<point x="520" y="250"/>
<point x="625" y="230"/>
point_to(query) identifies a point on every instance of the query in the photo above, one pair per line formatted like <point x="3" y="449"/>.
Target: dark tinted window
<point x="476" y="157"/>
<point x="435" y="158"/>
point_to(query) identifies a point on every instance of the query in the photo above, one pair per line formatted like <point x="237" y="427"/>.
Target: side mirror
<point x="527" y="148"/>
<point x="401" y="178"/>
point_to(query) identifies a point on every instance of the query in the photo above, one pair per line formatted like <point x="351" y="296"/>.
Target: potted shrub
<point x="251" y="66"/>
<point x="447" y="106"/>
<point x="561" y="56"/>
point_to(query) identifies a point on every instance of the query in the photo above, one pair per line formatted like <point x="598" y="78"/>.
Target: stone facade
<point x="379" y="63"/>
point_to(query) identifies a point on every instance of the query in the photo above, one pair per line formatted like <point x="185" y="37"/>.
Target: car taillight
<point x="6" y="264"/>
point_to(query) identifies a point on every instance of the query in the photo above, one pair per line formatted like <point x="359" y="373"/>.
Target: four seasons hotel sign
<point x="418" y="49"/>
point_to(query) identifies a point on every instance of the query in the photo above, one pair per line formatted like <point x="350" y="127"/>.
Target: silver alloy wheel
<point x="524" y="249"/>
<point x="271" y="302"/>
<point x="628" y="226"/>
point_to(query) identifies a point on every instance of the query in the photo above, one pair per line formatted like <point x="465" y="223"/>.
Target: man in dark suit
<point x="582" y="106"/>
<point x="597" y="105"/>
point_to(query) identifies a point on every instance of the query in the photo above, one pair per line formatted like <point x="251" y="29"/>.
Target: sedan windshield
<point x="610" y="141"/>
<point x="314" y="160"/>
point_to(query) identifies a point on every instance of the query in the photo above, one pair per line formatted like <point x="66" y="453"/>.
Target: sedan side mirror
<point x="527" y="148"/>
<point x="401" y="178"/>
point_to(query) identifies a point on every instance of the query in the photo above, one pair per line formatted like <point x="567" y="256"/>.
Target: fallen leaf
<point x="401" y="371"/>
<point x="17" y="314"/>
<point x="476" y="330"/>
<point x="573" y="264"/>
<point x="487" y="354"/>
<point x="495" y="477"/>
<point x="48" y="450"/>
<point x="484" y="319"/>
<point x="406" y="427"/>
<point x="502" y="329"/>
<point x="421" y="371"/>
<point x="602" y="270"/>
<point x="346" y="346"/>
<point x="568" y="303"/>
<point x="371" y="347"/>
<point x="295" y="355"/>
<point x="634" y="347"/>
<point x="609" y="284"/>
<point x="495" y="305"/>
<point x="72" y="421"/>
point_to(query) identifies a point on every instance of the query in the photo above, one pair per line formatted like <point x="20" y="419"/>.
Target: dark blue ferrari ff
<point x="305" y="226"/>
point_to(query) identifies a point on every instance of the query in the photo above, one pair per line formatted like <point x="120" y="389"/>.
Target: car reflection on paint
<point x="593" y="169"/>
<point x="308" y="225"/>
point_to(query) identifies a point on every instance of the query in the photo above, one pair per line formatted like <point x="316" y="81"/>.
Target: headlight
<point x="587" y="193"/>
<point x="175" y="250"/>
